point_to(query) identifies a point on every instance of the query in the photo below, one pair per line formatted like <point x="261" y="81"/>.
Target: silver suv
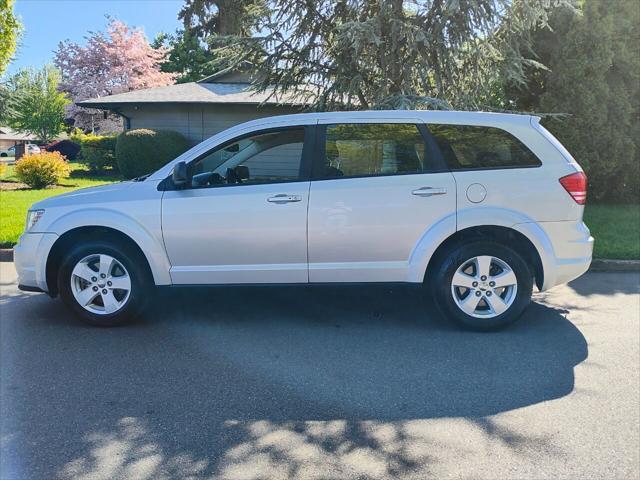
<point x="478" y="207"/>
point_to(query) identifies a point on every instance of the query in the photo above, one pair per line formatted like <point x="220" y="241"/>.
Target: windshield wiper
<point x="141" y="178"/>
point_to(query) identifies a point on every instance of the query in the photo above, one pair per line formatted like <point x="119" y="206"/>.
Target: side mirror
<point x="180" y="175"/>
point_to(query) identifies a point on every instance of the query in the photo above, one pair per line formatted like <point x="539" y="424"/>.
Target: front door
<point x="243" y="218"/>
<point x="376" y="189"/>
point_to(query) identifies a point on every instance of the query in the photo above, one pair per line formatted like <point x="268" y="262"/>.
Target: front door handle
<point x="284" y="198"/>
<point x="429" y="191"/>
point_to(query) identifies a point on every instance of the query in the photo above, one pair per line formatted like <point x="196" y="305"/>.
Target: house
<point x="9" y="138"/>
<point x="198" y="110"/>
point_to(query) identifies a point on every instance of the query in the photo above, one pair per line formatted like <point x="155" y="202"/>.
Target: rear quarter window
<point x="467" y="147"/>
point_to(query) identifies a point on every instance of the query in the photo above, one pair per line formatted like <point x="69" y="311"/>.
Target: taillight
<point x="576" y="185"/>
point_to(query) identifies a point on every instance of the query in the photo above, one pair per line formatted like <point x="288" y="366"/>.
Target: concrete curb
<point x="597" y="265"/>
<point x="606" y="265"/>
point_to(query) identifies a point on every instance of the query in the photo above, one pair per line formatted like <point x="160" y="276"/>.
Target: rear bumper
<point x="567" y="270"/>
<point x="573" y="250"/>
<point x="30" y="259"/>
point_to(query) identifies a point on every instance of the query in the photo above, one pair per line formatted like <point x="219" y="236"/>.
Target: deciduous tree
<point x="10" y="29"/>
<point x="35" y="105"/>
<point x="119" y="61"/>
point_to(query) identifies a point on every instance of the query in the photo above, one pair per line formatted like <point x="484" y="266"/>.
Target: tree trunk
<point x="230" y="16"/>
<point x="395" y="54"/>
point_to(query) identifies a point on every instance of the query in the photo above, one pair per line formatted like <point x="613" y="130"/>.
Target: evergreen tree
<point x="595" y="77"/>
<point x="390" y="54"/>
<point x="526" y="96"/>
<point x="187" y="57"/>
<point x="207" y="18"/>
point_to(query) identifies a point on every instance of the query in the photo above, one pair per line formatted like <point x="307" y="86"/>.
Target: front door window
<point x="271" y="157"/>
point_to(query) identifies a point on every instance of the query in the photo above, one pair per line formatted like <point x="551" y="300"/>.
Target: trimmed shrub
<point x="99" y="152"/>
<point x="143" y="151"/>
<point x="42" y="169"/>
<point x="3" y="169"/>
<point x="67" y="148"/>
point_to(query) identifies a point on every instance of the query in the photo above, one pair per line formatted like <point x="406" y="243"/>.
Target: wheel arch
<point x="488" y="223"/>
<point x="507" y="236"/>
<point x="145" y="248"/>
<point x="85" y="234"/>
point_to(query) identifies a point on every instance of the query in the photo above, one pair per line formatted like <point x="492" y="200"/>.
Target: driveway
<point x="322" y="383"/>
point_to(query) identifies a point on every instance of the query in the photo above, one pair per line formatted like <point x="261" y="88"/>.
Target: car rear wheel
<point x="482" y="285"/>
<point x="103" y="283"/>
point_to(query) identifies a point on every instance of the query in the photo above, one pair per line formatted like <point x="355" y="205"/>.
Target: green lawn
<point x="15" y="203"/>
<point x="616" y="228"/>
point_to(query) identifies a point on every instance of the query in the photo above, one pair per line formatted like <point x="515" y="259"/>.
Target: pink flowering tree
<point x="117" y="61"/>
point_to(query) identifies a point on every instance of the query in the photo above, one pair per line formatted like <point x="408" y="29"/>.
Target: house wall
<point x="4" y="144"/>
<point x="10" y="142"/>
<point x="198" y="122"/>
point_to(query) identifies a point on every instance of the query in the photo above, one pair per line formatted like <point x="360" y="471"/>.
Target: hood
<point x="100" y="193"/>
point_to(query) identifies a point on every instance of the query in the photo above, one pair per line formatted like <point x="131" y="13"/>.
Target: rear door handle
<point x="284" y="198"/>
<point x="429" y="191"/>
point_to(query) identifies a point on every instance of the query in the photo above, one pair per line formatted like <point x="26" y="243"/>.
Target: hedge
<point x="98" y="152"/>
<point x="143" y="151"/>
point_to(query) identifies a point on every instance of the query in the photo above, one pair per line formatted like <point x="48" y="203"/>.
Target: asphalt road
<point x="327" y="383"/>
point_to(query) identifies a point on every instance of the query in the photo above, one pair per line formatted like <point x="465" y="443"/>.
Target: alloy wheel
<point x="100" y="284"/>
<point x="484" y="286"/>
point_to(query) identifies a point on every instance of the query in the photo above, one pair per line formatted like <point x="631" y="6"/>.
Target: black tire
<point x="441" y="275"/>
<point x="135" y="266"/>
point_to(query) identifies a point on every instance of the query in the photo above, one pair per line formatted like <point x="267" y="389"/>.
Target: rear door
<point x="376" y="188"/>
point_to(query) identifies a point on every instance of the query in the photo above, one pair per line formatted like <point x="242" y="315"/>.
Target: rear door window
<point x="364" y="150"/>
<point x="466" y="147"/>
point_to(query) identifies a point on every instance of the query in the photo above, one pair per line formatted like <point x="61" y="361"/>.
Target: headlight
<point x="32" y="218"/>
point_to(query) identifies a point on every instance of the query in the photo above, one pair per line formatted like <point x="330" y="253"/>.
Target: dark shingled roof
<point x="227" y="88"/>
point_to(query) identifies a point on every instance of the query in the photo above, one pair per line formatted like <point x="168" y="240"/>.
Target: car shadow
<point x="211" y="379"/>
<point x="375" y="352"/>
<point x="606" y="283"/>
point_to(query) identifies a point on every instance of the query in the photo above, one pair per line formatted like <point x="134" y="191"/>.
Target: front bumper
<point x="27" y="288"/>
<point x="30" y="259"/>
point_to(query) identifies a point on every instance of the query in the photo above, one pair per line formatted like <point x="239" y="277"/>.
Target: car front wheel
<point x="482" y="285"/>
<point x="102" y="283"/>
